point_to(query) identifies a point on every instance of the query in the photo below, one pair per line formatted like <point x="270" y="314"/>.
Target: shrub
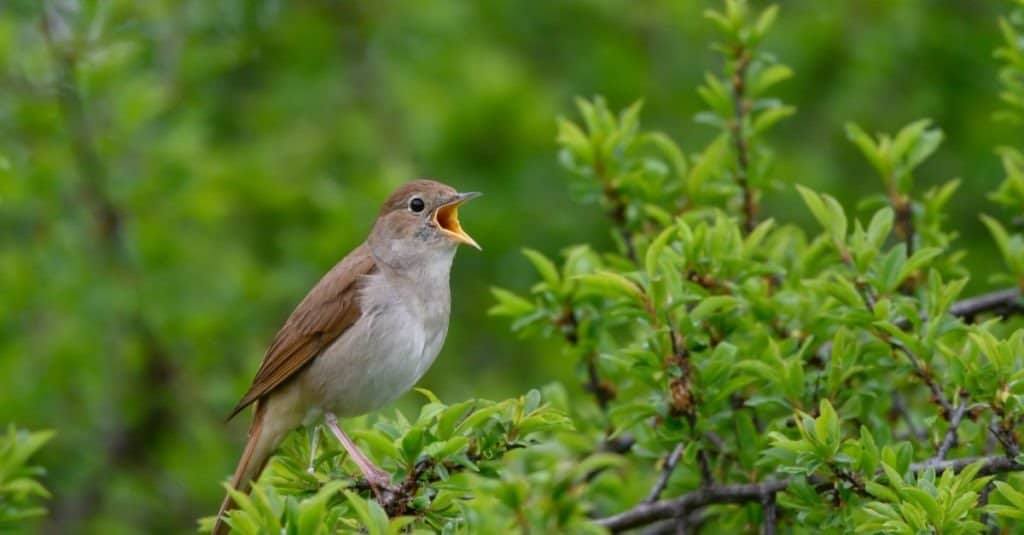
<point x="745" y="374"/>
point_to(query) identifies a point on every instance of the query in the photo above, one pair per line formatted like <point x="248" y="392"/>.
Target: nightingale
<point x="363" y="336"/>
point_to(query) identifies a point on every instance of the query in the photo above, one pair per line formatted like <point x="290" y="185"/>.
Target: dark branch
<point x="954" y="424"/>
<point x="1002" y="302"/>
<point x="603" y="391"/>
<point x="925" y="376"/>
<point x="739" y="84"/>
<point x="666" y="473"/>
<point x="647" y="513"/>
<point x="771" y="514"/>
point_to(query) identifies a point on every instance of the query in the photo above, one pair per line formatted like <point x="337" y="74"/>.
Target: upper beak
<point x="447" y="218"/>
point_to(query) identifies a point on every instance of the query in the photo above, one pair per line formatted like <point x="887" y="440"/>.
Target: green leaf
<point x="827" y="211"/>
<point x="714" y="305"/>
<point x="768" y="77"/>
<point x="1012" y="249"/>
<point x="870" y="150"/>
<point x="770" y="117"/>
<point x="609" y="284"/>
<point x="509" y="304"/>
<point x="373" y="518"/>
<point x="546" y="268"/>
<point x="709" y="163"/>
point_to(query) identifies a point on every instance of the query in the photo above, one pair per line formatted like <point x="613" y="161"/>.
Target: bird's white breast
<point x="385" y="353"/>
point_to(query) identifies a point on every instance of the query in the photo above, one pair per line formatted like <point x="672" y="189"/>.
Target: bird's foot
<point x="380" y="484"/>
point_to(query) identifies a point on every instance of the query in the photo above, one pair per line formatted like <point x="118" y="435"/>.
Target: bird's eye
<point x="416" y="204"/>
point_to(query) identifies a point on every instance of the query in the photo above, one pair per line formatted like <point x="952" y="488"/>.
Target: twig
<point x="647" y="513"/>
<point x="951" y="434"/>
<point x="739" y="83"/>
<point x="926" y="376"/>
<point x="1002" y="301"/>
<point x="617" y="207"/>
<point x="602" y="392"/>
<point x="666" y="472"/>
<point x="1009" y="446"/>
<point x="771" y="514"/>
<point x="706" y="476"/>
<point x="904" y="218"/>
<point x="690" y="522"/>
<point x="986" y="518"/>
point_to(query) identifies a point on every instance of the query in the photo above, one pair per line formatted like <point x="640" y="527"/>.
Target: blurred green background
<point x="214" y="157"/>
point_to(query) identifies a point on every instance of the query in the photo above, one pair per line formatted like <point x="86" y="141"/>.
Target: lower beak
<point x="447" y="218"/>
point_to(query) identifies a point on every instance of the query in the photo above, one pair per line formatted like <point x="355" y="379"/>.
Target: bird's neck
<point x="424" y="281"/>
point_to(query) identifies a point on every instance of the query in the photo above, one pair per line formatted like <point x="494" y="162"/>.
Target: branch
<point x="1003" y="302"/>
<point x="602" y="391"/>
<point x="771" y="514"/>
<point x="926" y="376"/>
<point x="954" y="423"/>
<point x="647" y="513"/>
<point x="617" y="210"/>
<point x="904" y="218"/>
<point x="666" y="472"/>
<point x="739" y="83"/>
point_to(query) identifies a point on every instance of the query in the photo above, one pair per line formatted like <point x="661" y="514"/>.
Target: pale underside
<point x="383" y="355"/>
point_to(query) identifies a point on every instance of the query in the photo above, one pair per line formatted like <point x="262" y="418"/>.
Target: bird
<point x="364" y="334"/>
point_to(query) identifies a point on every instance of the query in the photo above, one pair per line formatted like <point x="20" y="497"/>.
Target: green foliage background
<point x="245" y="146"/>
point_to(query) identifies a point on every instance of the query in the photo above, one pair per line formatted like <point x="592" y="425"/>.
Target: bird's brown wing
<point x="327" y="311"/>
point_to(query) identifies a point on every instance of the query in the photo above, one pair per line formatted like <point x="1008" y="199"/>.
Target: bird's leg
<point x="378" y="479"/>
<point x="314" y="439"/>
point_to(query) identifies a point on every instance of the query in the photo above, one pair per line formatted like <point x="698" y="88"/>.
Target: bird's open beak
<point x="447" y="218"/>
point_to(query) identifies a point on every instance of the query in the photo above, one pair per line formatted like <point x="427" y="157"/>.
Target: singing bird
<point x="363" y="336"/>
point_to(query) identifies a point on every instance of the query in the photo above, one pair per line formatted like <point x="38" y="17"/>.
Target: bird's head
<point x="418" y="221"/>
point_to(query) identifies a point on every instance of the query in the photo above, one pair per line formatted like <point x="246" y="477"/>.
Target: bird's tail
<point x="261" y="444"/>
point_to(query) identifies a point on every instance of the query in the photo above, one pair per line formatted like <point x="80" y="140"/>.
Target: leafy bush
<point x="438" y="459"/>
<point x="20" y="490"/>
<point x="743" y="373"/>
<point x="746" y="374"/>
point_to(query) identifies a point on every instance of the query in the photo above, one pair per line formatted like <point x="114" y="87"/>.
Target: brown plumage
<point x="322" y="316"/>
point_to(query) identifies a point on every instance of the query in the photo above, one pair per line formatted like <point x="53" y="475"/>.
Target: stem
<point x="925" y="375"/>
<point x="666" y="472"/>
<point x="771" y="514"/>
<point x="602" y="392"/>
<point x="739" y="84"/>
<point x="904" y="219"/>
<point x="617" y="207"/>
<point x="951" y="434"/>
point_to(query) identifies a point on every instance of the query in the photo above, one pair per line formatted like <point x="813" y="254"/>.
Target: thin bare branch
<point x="922" y="371"/>
<point x="666" y="473"/>
<point x="950" y="439"/>
<point x="742" y="58"/>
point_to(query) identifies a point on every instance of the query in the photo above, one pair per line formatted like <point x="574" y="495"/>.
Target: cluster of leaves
<point x="439" y="463"/>
<point x="734" y="352"/>
<point x="20" y="490"/>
